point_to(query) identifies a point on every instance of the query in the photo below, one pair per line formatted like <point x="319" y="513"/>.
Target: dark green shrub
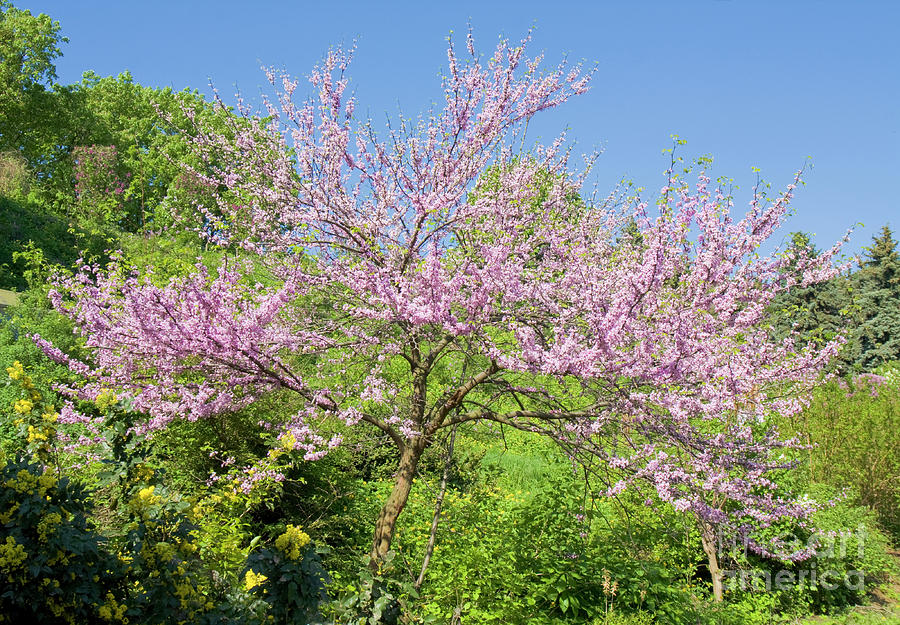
<point x="54" y="567"/>
<point x="289" y="579"/>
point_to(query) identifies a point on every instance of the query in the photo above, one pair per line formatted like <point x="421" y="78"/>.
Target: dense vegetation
<point x="102" y="523"/>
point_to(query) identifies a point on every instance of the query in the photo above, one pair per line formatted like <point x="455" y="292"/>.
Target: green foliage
<point x="854" y="427"/>
<point x="878" y="281"/>
<point x="511" y="549"/>
<point x="29" y="229"/>
<point x="865" y="615"/>
<point x="863" y="305"/>
<point x="14" y="175"/>
<point x="852" y="547"/>
<point x="290" y="585"/>
<point x="53" y="566"/>
<point x="519" y="554"/>
<point x="635" y="618"/>
<point x="98" y="184"/>
<point x="851" y="560"/>
<point x="146" y="128"/>
<point x="29" y="44"/>
<point x="376" y="598"/>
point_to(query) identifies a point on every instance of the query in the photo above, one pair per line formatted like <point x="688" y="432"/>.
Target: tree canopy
<point x="374" y="279"/>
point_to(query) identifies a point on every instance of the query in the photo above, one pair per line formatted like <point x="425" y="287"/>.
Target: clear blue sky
<point x="754" y="83"/>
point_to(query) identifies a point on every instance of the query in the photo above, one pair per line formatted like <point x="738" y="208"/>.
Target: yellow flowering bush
<point x="26" y="481"/>
<point x="105" y="399"/>
<point x="47" y="525"/>
<point x="145" y="496"/>
<point x="36" y="434"/>
<point x="112" y="611"/>
<point x="55" y="567"/>
<point x="292" y="541"/>
<point x="143" y="502"/>
<point x="296" y="566"/>
<point x="287" y="442"/>
<point x="37" y="421"/>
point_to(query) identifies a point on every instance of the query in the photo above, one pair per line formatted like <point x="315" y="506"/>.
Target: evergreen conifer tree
<point x="878" y="295"/>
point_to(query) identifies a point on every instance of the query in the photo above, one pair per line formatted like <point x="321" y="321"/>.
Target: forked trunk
<point x="387" y="518"/>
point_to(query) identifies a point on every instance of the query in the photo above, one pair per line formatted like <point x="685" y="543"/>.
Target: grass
<point x="8" y="298"/>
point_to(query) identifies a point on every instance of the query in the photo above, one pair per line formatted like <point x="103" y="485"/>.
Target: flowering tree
<point x="432" y="276"/>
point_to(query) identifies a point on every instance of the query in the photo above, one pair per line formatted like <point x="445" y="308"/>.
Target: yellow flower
<point x="47" y="525"/>
<point x="105" y="399"/>
<point x="144" y="499"/>
<point x="292" y="541"/>
<point x="12" y="554"/>
<point x="16" y="371"/>
<point x="143" y="473"/>
<point x="36" y="434"/>
<point x="112" y="610"/>
<point x="23" y="406"/>
<point x="6" y="516"/>
<point x="45" y="483"/>
<point x="253" y="579"/>
<point x="288" y="441"/>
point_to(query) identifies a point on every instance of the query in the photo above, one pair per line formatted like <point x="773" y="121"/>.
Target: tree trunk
<point x="387" y="518"/>
<point x="710" y="547"/>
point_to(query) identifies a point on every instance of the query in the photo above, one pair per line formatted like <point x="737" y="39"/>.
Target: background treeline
<point x="83" y="165"/>
<point x="138" y="532"/>
<point x="863" y="304"/>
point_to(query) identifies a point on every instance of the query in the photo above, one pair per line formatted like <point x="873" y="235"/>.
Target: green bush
<point x="541" y="553"/>
<point x="55" y="568"/>
<point x="854" y="428"/>
<point x="155" y="564"/>
<point x="289" y="579"/>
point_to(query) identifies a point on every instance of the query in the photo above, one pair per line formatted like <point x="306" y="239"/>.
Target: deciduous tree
<point x="409" y="291"/>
